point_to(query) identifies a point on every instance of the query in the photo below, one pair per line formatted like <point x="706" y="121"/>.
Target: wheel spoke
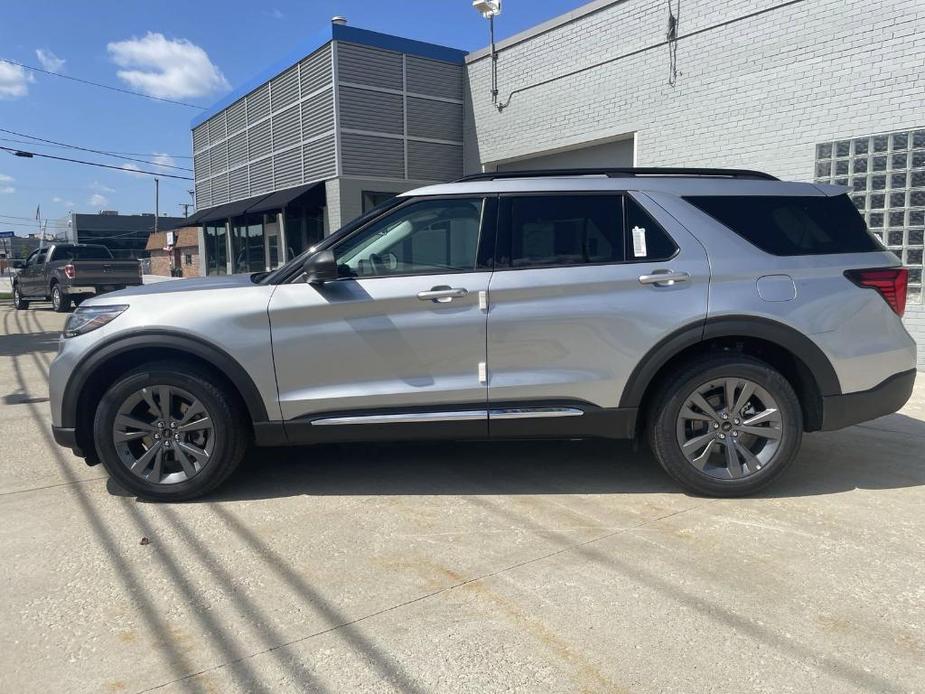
<point x="201" y="456"/>
<point x="186" y="463"/>
<point x="155" y="474"/>
<point x="701" y="460"/>
<point x="125" y="422"/>
<point x="123" y="436"/>
<point x="688" y="413"/>
<point x="769" y="415"/>
<point x="706" y="407"/>
<point x="195" y="409"/>
<point x="729" y="389"/>
<point x="748" y="390"/>
<point x="732" y="459"/>
<point x="763" y="432"/>
<point x="141" y="463"/>
<point x="164" y="394"/>
<point x="204" y="423"/>
<point x="695" y="444"/>
<point x="750" y="458"/>
<point x="152" y="405"/>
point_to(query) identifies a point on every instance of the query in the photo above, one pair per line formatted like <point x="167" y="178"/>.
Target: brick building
<point x="175" y="252"/>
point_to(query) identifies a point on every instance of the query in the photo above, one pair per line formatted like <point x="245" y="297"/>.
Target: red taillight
<point x="69" y="271"/>
<point x="890" y="282"/>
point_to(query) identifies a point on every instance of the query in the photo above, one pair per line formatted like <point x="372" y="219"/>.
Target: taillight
<point x="891" y="283"/>
<point x="69" y="271"/>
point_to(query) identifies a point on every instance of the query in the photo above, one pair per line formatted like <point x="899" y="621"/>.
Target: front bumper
<point x="839" y="411"/>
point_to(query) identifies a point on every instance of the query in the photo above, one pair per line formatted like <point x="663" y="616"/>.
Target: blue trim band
<point x="334" y="32"/>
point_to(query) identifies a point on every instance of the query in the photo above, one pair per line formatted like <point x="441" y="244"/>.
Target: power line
<point x="94" y="151"/>
<point x="23" y="153"/>
<point x="101" y="86"/>
<point x="101" y="151"/>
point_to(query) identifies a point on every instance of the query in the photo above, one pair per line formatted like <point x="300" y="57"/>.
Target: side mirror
<point x="320" y="267"/>
<point x="17" y="264"/>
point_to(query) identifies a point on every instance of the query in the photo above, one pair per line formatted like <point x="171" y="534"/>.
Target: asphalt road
<point x="457" y="568"/>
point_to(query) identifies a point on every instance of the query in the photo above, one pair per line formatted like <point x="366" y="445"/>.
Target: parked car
<point x="718" y="314"/>
<point x="66" y="273"/>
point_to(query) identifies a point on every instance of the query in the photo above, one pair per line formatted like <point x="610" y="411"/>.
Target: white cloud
<point x="131" y="169"/>
<point x="168" y="68"/>
<point x="5" y="179"/>
<point x="98" y="200"/>
<point x="49" y="60"/>
<point x="100" y="188"/>
<point x="163" y="160"/>
<point x="7" y="189"/>
<point x="276" y="13"/>
<point x="14" y="81"/>
<point x="61" y="201"/>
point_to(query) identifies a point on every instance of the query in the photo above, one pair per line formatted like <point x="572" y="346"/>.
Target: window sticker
<point x="639" y="242"/>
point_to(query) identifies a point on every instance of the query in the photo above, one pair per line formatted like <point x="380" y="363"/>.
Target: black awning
<point x="256" y="203"/>
<point x="281" y="198"/>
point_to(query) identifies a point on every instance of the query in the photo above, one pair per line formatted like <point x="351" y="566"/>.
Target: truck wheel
<point x="60" y="301"/>
<point x="166" y="433"/>
<point x="19" y="303"/>
<point x="726" y="426"/>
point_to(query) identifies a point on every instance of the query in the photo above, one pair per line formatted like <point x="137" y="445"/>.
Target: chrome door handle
<point x="443" y="295"/>
<point x="664" y="278"/>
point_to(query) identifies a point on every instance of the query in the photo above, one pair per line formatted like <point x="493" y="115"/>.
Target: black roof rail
<point x="622" y="173"/>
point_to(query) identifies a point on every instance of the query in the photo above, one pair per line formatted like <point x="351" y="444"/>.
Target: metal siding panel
<point x="201" y="137"/>
<point x="220" y="189"/>
<point x="318" y="114"/>
<point x="201" y="165"/>
<point x="429" y="161"/>
<point x="237" y="149"/>
<point x="203" y="195"/>
<point x="434" y="78"/>
<point x="371" y="66"/>
<point x="258" y="140"/>
<point x="284" y="90"/>
<point x="237" y="187"/>
<point x="367" y="110"/>
<point x="218" y="158"/>
<point x="365" y="155"/>
<point x="236" y="116"/>
<point x="287" y="168"/>
<point x="315" y="71"/>
<point x="439" y="120"/>
<point x="318" y="159"/>
<point x="217" y="128"/>
<point x="258" y="104"/>
<point x="286" y="131"/>
<point x="261" y="176"/>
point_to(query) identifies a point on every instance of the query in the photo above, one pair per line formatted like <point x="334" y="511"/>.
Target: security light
<point x="491" y="9"/>
<point x="488" y="8"/>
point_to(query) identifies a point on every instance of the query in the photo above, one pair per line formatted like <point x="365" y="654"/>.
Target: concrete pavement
<point x="466" y="567"/>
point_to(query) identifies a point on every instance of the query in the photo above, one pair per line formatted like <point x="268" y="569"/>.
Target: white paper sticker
<point x="639" y="242"/>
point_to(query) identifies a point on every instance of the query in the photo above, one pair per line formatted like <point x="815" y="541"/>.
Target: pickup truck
<point x="67" y="273"/>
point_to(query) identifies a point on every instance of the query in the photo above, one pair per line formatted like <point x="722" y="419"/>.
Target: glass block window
<point x="885" y="175"/>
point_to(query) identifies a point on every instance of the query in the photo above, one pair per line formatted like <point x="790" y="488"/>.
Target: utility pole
<point x="157" y="201"/>
<point x="186" y="206"/>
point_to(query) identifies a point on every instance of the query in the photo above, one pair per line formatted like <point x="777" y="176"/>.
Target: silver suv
<point x="719" y="313"/>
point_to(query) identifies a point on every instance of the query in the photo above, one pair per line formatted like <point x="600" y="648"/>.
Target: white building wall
<point x="755" y="91"/>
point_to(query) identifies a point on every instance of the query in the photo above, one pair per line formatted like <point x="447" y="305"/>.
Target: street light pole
<point x="157" y="201"/>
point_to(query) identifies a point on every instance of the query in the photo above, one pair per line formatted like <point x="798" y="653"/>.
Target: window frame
<point x="503" y="235"/>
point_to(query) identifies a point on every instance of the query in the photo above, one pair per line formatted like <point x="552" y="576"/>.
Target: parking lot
<point x="563" y="566"/>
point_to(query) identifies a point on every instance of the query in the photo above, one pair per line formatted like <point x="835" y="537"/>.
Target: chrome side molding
<point x="451" y="416"/>
<point x="533" y="412"/>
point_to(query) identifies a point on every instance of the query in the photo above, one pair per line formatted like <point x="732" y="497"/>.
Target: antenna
<point x="490" y="9"/>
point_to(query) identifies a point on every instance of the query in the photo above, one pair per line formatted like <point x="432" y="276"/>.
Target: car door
<point x="30" y="279"/>
<point x="585" y="285"/>
<point x="397" y="342"/>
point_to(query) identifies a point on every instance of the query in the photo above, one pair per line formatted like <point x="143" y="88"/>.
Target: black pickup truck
<point x="67" y="273"/>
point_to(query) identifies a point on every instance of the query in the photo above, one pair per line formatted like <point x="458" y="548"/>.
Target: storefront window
<point x="216" y="250"/>
<point x="304" y="228"/>
<point x="247" y="244"/>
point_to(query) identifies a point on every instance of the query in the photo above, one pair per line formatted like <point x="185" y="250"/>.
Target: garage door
<point x="607" y="155"/>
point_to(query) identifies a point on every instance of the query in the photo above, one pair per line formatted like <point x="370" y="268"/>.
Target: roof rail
<point x="621" y="173"/>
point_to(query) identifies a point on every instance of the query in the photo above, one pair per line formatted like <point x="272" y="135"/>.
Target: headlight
<point x="89" y="318"/>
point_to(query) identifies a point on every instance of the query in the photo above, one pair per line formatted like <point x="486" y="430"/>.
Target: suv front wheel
<point x="726" y="426"/>
<point x="167" y="434"/>
<point x="19" y="303"/>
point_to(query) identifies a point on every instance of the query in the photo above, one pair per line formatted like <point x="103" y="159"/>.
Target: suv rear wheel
<point x="19" y="303"/>
<point x="60" y="301"/>
<point x="726" y="426"/>
<point x="168" y="435"/>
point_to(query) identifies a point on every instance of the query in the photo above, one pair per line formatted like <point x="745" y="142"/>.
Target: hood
<point x="193" y="284"/>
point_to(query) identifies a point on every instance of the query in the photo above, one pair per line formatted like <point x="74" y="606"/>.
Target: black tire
<point x="60" y="302"/>
<point x="19" y="303"/>
<point x="230" y="429"/>
<point x="664" y="429"/>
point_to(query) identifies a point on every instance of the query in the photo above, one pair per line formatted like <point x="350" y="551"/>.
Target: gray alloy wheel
<point x="18" y="301"/>
<point x="60" y="302"/>
<point x="729" y="428"/>
<point x="163" y="434"/>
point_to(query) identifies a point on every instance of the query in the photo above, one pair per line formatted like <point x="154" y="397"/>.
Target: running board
<point x="451" y="416"/>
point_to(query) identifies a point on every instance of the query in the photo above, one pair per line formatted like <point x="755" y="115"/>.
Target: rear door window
<point x="82" y="253"/>
<point x="790" y="225"/>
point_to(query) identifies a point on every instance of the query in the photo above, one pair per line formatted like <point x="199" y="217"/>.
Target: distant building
<point x="126" y="235"/>
<point x="175" y="253"/>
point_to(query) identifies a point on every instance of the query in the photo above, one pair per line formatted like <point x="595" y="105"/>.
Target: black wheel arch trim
<point x="766" y="329"/>
<point x="146" y="339"/>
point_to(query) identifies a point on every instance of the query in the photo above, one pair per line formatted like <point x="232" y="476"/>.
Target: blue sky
<point x="196" y="51"/>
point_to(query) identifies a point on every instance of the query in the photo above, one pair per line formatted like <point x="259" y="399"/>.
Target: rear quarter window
<point x="792" y="225"/>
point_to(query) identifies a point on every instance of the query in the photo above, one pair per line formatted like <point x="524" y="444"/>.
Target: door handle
<point x="664" y="278"/>
<point x="442" y="294"/>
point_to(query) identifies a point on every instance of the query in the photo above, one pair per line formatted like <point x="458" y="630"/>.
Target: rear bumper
<point x="839" y="411"/>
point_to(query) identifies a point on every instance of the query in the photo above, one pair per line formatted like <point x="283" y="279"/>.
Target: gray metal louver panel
<point x="203" y="195"/>
<point x="365" y="155"/>
<point x="201" y="165"/>
<point x="237" y="179"/>
<point x="258" y="140"/>
<point x="318" y="159"/>
<point x="220" y="189"/>
<point x="236" y="116"/>
<point x="201" y="137"/>
<point x="237" y="149"/>
<point x="217" y="128"/>
<point x="284" y="90"/>
<point x="258" y="104"/>
<point x="218" y="158"/>
<point x="439" y="120"/>
<point x="261" y="176"/>
<point x="315" y="71"/>
<point x="434" y="78"/>
<point x="434" y="162"/>
<point x="362" y="109"/>
<point x="287" y="168"/>
<point x="372" y="66"/>
<point x="286" y="129"/>
<point x="318" y="114"/>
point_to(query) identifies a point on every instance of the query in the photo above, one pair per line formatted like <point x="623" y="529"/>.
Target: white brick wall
<point x="757" y="93"/>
